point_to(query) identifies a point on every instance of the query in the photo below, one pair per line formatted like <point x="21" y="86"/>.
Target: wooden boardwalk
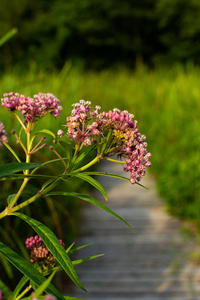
<point x="151" y="264"/>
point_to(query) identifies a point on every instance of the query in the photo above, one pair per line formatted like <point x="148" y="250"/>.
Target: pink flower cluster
<point x="40" y="253"/>
<point x="87" y="126"/>
<point x="32" y="108"/>
<point x="128" y="142"/>
<point x="79" y="129"/>
<point x="3" y="135"/>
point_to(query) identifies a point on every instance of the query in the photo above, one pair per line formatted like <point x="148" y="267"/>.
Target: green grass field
<point x="166" y="104"/>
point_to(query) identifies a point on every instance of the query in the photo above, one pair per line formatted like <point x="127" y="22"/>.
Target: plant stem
<point x="94" y="161"/>
<point x="24" y="292"/>
<point x="117" y="161"/>
<point x="25" y="181"/>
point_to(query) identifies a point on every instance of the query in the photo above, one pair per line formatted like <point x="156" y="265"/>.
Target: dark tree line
<point x="100" y="33"/>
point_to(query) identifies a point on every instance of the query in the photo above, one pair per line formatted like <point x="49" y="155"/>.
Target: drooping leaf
<point x="54" y="246"/>
<point x="93" y="182"/>
<point x="47" y="131"/>
<point x="12" y="168"/>
<point x="27" y="269"/>
<point x="112" y="175"/>
<point x="90" y="200"/>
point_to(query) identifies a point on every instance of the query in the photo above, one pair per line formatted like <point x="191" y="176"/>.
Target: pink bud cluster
<point x="32" y="108"/>
<point x="40" y="253"/>
<point x="3" y="135"/>
<point x="86" y="125"/>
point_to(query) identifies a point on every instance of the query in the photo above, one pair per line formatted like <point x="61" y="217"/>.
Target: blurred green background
<point x="138" y="55"/>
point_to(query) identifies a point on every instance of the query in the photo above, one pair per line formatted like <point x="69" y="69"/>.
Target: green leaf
<point x="54" y="246"/>
<point x="112" y="175"/>
<point x="69" y="248"/>
<point x="78" y="248"/>
<point x="12" y="168"/>
<point x="47" y="131"/>
<point x="45" y="284"/>
<point x="8" y="36"/>
<point x="68" y="150"/>
<point x="105" y="144"/>
<point x="80" y="261"/>
<point x="7" y="267"/>
<point x="19" y="286"/>
<point x="93" y="182"/>
<point x="90" y="200"/>
<point x="5" y="290"/>
<point x="27" y="269"/>
<point x="82" y="156"/>
<point x="10" y="198"/>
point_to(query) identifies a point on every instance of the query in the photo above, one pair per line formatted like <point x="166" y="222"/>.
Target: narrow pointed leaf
<point x="47" y="131"/>
<point x="54" y="246"/>
<point x="78" y="248"/>
<point x="112" y="175"/>
<point x="20" y="285"/>
<point x="27" y="269"/>
<point x="82" y="156"/>
<point x="80" y="261"/>
<point x="44" y="285"/>
<point x="93" y="182"/>
<point x="90" y="200"/>
<point x="12" y="168"/>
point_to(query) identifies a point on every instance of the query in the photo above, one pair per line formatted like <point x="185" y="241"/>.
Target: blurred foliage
<point x="99" y="33"/>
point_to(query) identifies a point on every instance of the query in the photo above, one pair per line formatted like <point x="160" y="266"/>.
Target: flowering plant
<point x="112" y="133"/>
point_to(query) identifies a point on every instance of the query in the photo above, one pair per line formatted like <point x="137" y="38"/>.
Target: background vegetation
<point x="100" y="33"/>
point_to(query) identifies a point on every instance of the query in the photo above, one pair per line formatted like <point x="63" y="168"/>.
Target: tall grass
<point x="165" y="103"/>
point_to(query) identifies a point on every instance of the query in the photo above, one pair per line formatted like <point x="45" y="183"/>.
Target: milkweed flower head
<point x="92" y="126"/>
<point x="34" y="108"/>
<point x="3" y="135"/>
<point x="39" y="253"/>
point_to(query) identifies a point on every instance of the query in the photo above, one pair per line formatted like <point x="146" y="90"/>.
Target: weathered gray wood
<point x="151" y="264"/>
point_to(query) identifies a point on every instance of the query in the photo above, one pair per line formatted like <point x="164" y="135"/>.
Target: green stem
<point x="24" y="292"/>
<point x="18" y="193"/>
<point x="117" y="161"/>
<point x="20" y="121"/>
<point x="25" y="181"/>
<point x="94" y="161"/>
<point x="32" y="199"/>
